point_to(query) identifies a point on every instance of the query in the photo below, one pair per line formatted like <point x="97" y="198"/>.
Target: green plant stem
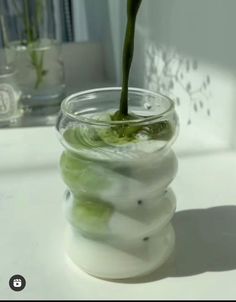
<point x="5" y="41"/>
<point x="32" y="36"/>
<point x="27" y="22"/>
<point x="4" y="32"/>
<point x="132" y="10"/>
<point x="40" y="73"/>
<point x="39" y="12"/>
<point x="16" y="8"/>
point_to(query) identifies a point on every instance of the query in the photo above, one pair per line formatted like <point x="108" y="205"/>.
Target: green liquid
<point x="128" y="50"/>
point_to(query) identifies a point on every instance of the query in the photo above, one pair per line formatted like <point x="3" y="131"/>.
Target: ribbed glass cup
<point x="118" y="201"/>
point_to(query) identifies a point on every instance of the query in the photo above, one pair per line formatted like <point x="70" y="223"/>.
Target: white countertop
<point x="32" y="226"/>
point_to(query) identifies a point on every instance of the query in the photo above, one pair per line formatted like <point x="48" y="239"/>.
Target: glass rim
<point x="92" y="121"/>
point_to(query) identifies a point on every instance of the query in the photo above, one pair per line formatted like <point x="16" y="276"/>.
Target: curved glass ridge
<point x="87" y="127"/>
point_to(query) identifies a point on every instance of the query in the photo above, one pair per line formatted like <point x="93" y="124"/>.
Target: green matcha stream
<point x="130" y="132"/>
<point x="132" y="10"/>
<point x="127" y="132"/>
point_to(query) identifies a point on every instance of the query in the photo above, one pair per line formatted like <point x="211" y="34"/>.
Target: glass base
<point x="133" y="246"/>
<point x="34" y="102"/>
<point x="107" y="261"/>
<point x="8" y="121"/>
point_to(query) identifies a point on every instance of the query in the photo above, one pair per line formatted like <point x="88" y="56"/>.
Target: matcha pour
<point x="123" y="133"/>
<point x="132" y="10"/>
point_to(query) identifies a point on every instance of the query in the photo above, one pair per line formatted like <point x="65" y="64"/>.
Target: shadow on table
<point x="205" y="241"/>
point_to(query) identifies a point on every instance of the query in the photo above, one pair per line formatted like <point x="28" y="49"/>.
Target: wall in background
<point x="191" y="45"/>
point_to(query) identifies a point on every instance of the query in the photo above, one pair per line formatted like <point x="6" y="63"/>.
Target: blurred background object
<point x="10" y="93"/>
<point x="31" y="27"/>
<point x="62" y="46"/>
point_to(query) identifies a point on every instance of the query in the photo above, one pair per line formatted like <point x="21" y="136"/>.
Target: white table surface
<point x="32" y="225"/>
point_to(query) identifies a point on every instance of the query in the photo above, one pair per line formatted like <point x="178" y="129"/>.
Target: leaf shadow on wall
<point x="205" y="241"/>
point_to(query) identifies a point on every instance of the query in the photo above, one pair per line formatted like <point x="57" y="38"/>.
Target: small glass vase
<point x="40" y="73"/>
<point x="31" y="28"/>
<point x="10" y="93"/>
<point x="118" y="202"/>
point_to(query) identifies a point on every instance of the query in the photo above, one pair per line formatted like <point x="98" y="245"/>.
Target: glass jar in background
<point x="10" y="93"/>
<point x="38" y="54"/>
<point x="40" y="73"/>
